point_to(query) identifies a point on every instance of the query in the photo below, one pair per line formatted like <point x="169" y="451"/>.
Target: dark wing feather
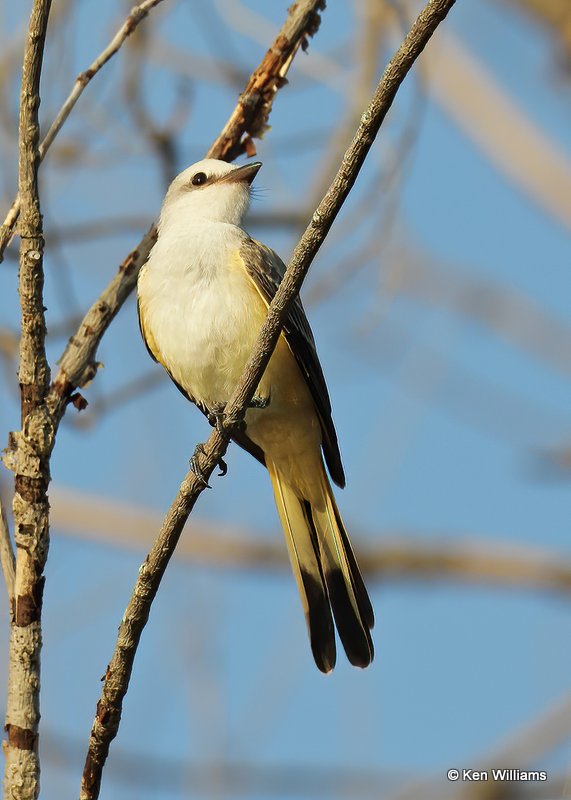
<point x="267" y="270"/>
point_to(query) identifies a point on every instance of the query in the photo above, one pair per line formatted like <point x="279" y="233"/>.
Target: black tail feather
<point x="319" y="623"/>
<point x="345" y="588"/>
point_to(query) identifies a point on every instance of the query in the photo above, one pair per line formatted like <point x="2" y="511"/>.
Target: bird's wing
<point x="267" y="270"/>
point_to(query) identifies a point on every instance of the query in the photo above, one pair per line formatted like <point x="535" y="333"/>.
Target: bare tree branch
<point x="250" y="118"/>
<point x="257" y="28"/>
<point x="137" y="14"/>
<point x="118" y="673"/>
<point x="77" y="364"/>
<point x="28" y="455"/>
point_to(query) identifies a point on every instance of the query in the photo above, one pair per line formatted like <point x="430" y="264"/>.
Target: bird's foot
<point x="258" y="401"/>
<point x="219" y="419"/>
<point x="216" y="417"/>
<point x="222" y="465"/>
<point x="199" y="450"/>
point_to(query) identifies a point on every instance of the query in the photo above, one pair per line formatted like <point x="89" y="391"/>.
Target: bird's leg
<point x="216" y="417"/>
<point x="198" y="450"/>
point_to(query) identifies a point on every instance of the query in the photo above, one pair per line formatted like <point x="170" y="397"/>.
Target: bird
<point x="203" y="296"/>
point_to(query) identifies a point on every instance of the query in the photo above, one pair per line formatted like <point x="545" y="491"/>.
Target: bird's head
<point x="210" y="190"/>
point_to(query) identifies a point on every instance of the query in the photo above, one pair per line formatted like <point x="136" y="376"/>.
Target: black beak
<point x="245" y="174"/>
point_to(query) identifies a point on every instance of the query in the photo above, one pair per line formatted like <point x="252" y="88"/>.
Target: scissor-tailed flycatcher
<point x="203" y="297"/>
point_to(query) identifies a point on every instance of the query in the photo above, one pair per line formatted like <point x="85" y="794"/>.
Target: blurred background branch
<point x="399" y="555"/>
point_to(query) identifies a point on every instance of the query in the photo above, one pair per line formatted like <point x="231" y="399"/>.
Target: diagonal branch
<point x="118" y="673"/>
<point x="250" y="117"/>
<point x="28" y="456"/>
<point x="137" y="14"/>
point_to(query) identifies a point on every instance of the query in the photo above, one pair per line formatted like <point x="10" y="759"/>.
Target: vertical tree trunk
<point x="28" y="453"/>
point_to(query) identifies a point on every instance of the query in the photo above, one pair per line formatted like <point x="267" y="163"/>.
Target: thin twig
<point x="28" y="456"/>
<point x="7" y="557"/>
<point x="118" y="673"/>
<point x="251" y="115"/>
<point x="137" y="14"/>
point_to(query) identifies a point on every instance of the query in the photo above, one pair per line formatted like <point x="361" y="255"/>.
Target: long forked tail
<point x="326" y="573"/>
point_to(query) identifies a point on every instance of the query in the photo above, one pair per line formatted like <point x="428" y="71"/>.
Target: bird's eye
<point x="199" y="179"/>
